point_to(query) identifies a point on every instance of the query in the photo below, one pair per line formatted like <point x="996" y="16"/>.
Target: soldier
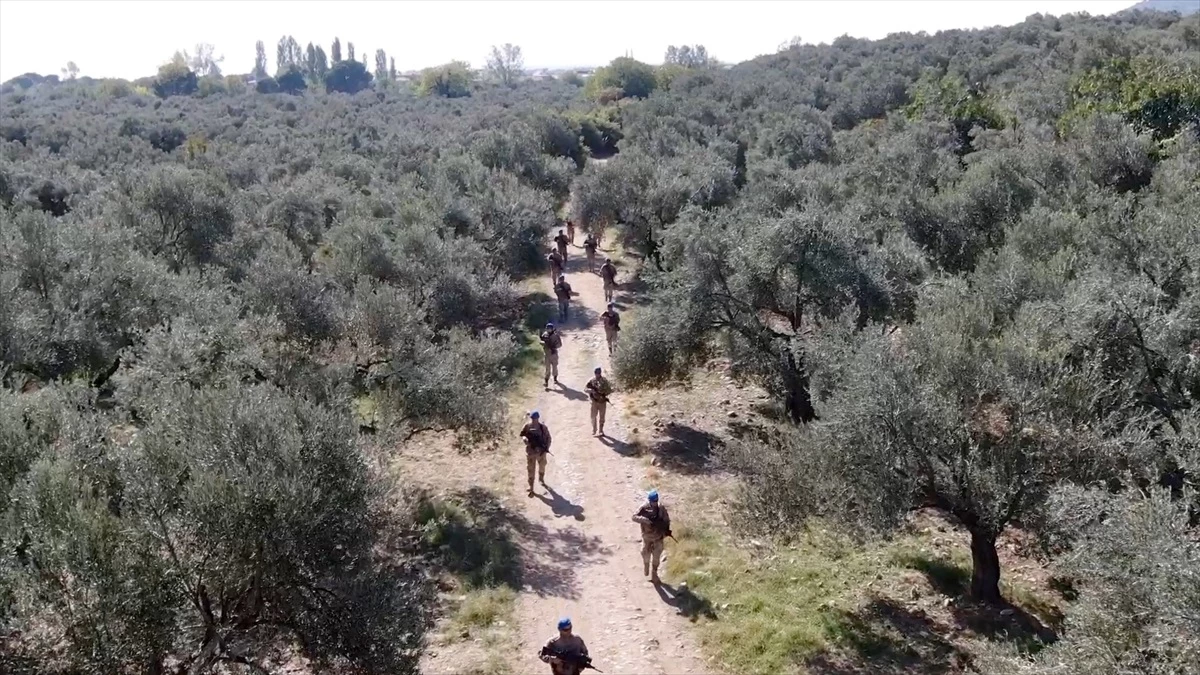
<point x="590" y="245"/>
<point x="608" y="272"/>
<point x="571" y="231"/>
<point x="656" y="526"/>
<point x="612" y="325"/>
<point x="598" y="391"/>
<point x="537" y="446"/>
<point x="561" y="240"/>
<point x="551" y="342"/>
<point x="566" y="653"/>
<point x="556" y="265"/>
<point x="562" y="290"/>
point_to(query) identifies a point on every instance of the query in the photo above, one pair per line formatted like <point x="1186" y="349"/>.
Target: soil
<point x="586" y="561"/>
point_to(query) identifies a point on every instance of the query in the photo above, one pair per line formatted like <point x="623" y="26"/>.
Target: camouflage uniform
<point x="556" y="265"/>
<point x="612" y="326"/>
<point x="561" y="240"/>
<point x="571" y="645"/>
<point x="551" y="342"/>
<point x="571" y="232"/>
<point x="608" y="272"/>
<point x="598" y="390"/>
<point x="590" y="245"/>
<point x="562" y="290"/>
<point x="537" y="445"/>
<point x="655" y="522"/>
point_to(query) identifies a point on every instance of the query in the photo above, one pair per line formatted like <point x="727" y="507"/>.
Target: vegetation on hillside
<point x="965" y="266"/>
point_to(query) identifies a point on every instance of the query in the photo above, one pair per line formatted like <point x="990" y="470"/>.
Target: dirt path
<point x="585" y="561"/>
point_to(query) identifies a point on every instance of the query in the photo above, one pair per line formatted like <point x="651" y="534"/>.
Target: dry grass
<point x="818" y="602"/>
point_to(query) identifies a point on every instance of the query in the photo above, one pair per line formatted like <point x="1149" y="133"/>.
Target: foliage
<point x="631" y="78"/>
<point x="1156" y="95"/>
<point x="210" y="544"/>
<point x="291" y="80"/>
<point x="506" y="64"/>
<point x="962" y="266"/>
<point x="451" y="80"/>
<point x="194" y="265"/>
<point x="1138" y="600"/>
<point x="347" y="77"/>
<point x="175" y="78"/>
<point x="688" y="56"/>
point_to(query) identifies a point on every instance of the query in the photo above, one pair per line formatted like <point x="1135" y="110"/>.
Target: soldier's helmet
<point x="564" y="623"/>
<point x="653" y="496"/>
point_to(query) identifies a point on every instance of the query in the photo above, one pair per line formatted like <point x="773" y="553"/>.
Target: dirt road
<point x="589" y="566"/>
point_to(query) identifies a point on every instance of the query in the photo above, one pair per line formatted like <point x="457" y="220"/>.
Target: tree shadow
<point x="945" y="577"/>
<point x="579" y="316"/>
<point x="560" y="505"/>
<point x="686" y="449"/>
<point x="621" y="447"/>
<point x="552" y="559"/>
<point x="686" y="603"/>
<point x="1005" y="621"/>
<point x="571" y="394"/>
<point x="884" y="637"/>
<point x="474" y="535"/>
<point x="631" y="293"/>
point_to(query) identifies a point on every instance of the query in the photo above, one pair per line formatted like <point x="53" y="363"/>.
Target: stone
<point x="733" y="414"/>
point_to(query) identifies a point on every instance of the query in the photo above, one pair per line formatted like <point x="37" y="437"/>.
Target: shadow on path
<point x="474" y="534"/>
<point x="621" y="447"/>
<point x="569" y="393"/>
<point x="686" y="602"/>
<point x="560" y="505"/>
<point x="579" y="317"/>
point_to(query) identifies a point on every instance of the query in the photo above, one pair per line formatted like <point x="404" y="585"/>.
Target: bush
<point x="175" y="79"/>
<point x="267" y="85"/>
<point x="291" y="80"/>
<point x="452" y="80"/>
<point x="347" y="77"/>
<point x="632" y="78"/>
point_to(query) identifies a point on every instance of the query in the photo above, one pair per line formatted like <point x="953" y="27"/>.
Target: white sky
<point x="130" y="39"/>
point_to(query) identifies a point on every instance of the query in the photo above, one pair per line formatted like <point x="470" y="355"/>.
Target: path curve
<point x="586" y="563"/>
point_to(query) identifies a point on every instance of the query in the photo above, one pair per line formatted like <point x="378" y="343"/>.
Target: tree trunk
<point x="985" y="575"/>
<point x="798" y="398"/>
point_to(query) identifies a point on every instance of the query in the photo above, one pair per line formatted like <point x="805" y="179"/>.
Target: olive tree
<point x="762" y="285"/>
<point x="232" y="520"/>
<point x="960" y="412"/>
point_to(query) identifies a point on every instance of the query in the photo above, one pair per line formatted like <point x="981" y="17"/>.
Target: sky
<point x="108" y="38"/>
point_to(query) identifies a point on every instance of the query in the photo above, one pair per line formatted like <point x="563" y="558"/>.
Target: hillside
<point x="1184" y="7"/>
<point x="910" y="346"/>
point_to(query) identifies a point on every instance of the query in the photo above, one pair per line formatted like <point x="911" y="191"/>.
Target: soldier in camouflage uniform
<point x="656" y="526"/>
<point x="563" y="650"/>
<point x="537" y="446"/>
<point x="598" y="391"/>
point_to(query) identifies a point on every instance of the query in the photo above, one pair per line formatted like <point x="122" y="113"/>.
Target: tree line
<point x="964" y="266"/>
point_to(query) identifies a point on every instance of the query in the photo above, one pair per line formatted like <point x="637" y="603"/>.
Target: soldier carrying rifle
<point x="656" y="526"/>
<point x="566" y="653"/>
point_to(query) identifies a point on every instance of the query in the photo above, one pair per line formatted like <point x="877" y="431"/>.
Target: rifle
<point x="654" y="520"/>
<point x="582" y="660"/>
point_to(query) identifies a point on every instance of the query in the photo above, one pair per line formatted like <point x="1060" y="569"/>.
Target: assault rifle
<point x="583" y="661"/>
<point x="656" y="521"/>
